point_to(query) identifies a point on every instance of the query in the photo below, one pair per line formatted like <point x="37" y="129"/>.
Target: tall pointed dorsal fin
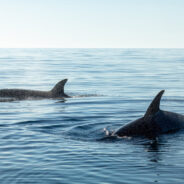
<point x="154" y="106"/>
<point x="58" y="89"/>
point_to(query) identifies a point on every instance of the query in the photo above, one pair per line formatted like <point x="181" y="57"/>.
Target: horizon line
<point x="91" y="47"/>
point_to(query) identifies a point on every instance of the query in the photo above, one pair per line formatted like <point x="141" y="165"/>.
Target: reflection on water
<point x="51" y="141"/>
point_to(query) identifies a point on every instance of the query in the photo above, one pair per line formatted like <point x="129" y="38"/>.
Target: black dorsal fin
<point x="154" y="106"/>
<point x="58" y="89"/>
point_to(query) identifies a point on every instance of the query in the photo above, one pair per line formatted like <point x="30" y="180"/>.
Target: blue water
<point x="50" y="141"/>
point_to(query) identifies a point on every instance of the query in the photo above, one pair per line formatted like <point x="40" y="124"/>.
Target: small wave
<point x="87" y="95"/>
<point x="85" y="132"/>
<point x="29" y="122"/>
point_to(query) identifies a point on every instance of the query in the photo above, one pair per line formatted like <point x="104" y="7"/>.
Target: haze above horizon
<point x="91" y="24"/>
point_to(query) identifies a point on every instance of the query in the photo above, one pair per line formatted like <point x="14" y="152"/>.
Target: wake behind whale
<point x="57" y="92"/>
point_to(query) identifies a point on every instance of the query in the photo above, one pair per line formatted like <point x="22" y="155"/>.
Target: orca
<point x="154" y="123"/>
<point x="21" y="94"/>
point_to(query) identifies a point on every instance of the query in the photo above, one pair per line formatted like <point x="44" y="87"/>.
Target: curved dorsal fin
<point x="154" y="106"/>
<point x="58" y="89"/>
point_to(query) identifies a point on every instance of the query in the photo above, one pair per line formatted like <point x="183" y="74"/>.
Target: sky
<point x="91" y="23"/>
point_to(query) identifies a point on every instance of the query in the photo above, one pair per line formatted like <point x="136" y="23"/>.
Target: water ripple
<point x="48" y="141"/>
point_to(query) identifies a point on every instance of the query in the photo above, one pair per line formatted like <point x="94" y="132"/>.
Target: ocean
<point x="50" y="141"/>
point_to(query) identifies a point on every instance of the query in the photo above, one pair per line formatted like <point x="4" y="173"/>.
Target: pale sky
<point x="92" y="23"/>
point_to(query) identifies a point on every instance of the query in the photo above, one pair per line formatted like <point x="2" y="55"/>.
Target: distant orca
<point x="154" y="122"/>
<point x="22" y="94"/>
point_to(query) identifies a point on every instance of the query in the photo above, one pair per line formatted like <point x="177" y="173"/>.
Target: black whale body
<point x="154" y="122"/>
<point x="22" y="94"/>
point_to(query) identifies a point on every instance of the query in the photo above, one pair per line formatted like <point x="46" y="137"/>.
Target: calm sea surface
<point x="52" y="142"/>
